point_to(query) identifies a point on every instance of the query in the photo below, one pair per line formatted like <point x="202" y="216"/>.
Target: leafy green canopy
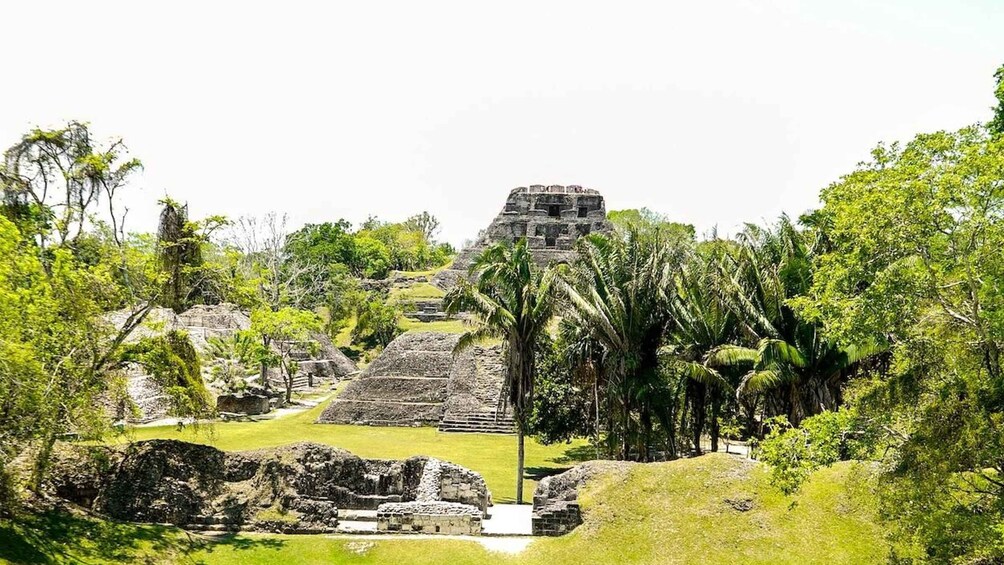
<point x="619" y="291"/>
<point x="915" y="238"/>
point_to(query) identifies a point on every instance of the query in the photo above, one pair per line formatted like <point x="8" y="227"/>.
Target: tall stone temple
<point x="551" y="218"/>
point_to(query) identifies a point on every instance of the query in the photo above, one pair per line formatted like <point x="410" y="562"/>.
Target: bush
<point x="794" y="453"/>
<point x="376" y="321"/>
<point x="174" y="364"/>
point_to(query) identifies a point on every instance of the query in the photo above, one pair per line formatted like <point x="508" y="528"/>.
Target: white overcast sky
<point x="714" y="113"/>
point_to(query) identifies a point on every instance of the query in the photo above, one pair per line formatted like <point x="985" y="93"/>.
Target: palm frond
<point x="731" y="355"/>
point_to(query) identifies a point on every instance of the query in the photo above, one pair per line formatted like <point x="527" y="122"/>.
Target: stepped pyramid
<point x="418" y="381"/>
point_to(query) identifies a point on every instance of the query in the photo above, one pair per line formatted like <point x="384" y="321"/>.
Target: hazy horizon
<point x="710" y="114"/>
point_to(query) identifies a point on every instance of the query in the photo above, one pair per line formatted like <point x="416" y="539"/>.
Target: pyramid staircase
<point x="478" y="423"/>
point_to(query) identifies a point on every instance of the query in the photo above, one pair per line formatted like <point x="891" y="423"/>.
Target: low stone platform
<point x="429" y="518"/>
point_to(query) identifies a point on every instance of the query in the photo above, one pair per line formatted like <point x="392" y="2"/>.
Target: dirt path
<point x="299" y="406"/>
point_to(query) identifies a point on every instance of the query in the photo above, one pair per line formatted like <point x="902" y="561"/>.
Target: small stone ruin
<point x="202" y="323"/>
<point x="301" y="488"/>
<point x="449" y="500"/>
<point x="551" y="218"/>
<point x="556" y="499"/>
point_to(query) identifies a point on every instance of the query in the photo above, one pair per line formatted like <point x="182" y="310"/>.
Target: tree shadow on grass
<point x="538" y="473"/>
<point x="240" y="543"/>
<point x="59" y="537"/>
<point x="572" y="455"/>
<point x="577" y="454"/>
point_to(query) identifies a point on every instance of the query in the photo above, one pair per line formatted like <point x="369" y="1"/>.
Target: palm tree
<point x="510" y="299"/>
<point x="701" y="323"/>
<point x="619" y="293"/>
<point x="792" y="365"/>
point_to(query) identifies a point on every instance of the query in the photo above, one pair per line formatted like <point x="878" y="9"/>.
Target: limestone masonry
<point x="556" y="499"/>
<point x="418" y="381"/>
<point x="301" y="488"/>
<point x="551" y="218"/>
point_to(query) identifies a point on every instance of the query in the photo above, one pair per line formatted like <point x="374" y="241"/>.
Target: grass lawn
<point x="441" y="326"/>
<point x="416" y="291"/>
<point x="685" y="511"/>
<point x="492" y="455"/>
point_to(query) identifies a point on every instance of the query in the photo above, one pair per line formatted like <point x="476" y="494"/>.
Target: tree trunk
<point x="646" y="434"/>
<point x="716" y="403"/>
<point x="519" y="464"/>
<point x="42" y="458"/>
<point x="287" y="379"/>
<point x="264" y="367"/>
<point x="698" y="395"/>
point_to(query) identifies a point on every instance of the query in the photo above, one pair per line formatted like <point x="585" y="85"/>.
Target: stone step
<point x="487" y="417"/>
<point x="472" y="425"/>
<point x="357" y="527"/>
<point x="356" y="515"/>
<point x="478" y="422"/>
<point x="462" y="430"/>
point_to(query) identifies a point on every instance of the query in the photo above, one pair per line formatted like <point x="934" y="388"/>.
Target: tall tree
<point x="512" y="300"/>
<point x="620" y="291"/>
<point x="53" y="182"/>
<point x="180" y="244"/>
<point x="916" y="235"/>
<point x="701" y="323"/>
<point x="790" y="363"/>
<point x="279" y="280"/>
<point x="179" y="251"/>
<point x="60" y="191"/>
<point x="996" y="125"/>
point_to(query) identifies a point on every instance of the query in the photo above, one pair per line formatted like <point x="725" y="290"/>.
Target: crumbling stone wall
<point x="297" y="488"/>
<point x="449" y="499"/>
<point x="458" y="484"/>
<point x="250" y="404"/>
<point x="555" y="500"/>
<point x="202" y="323"/>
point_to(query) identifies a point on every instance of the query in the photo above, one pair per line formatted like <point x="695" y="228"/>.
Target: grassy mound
<point x="720" y="509"/>
<point x="712" y="509"/>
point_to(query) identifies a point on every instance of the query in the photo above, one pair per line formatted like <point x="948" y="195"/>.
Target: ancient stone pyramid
<point x="418" y="381"/>
<point x="551" y="218"/>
